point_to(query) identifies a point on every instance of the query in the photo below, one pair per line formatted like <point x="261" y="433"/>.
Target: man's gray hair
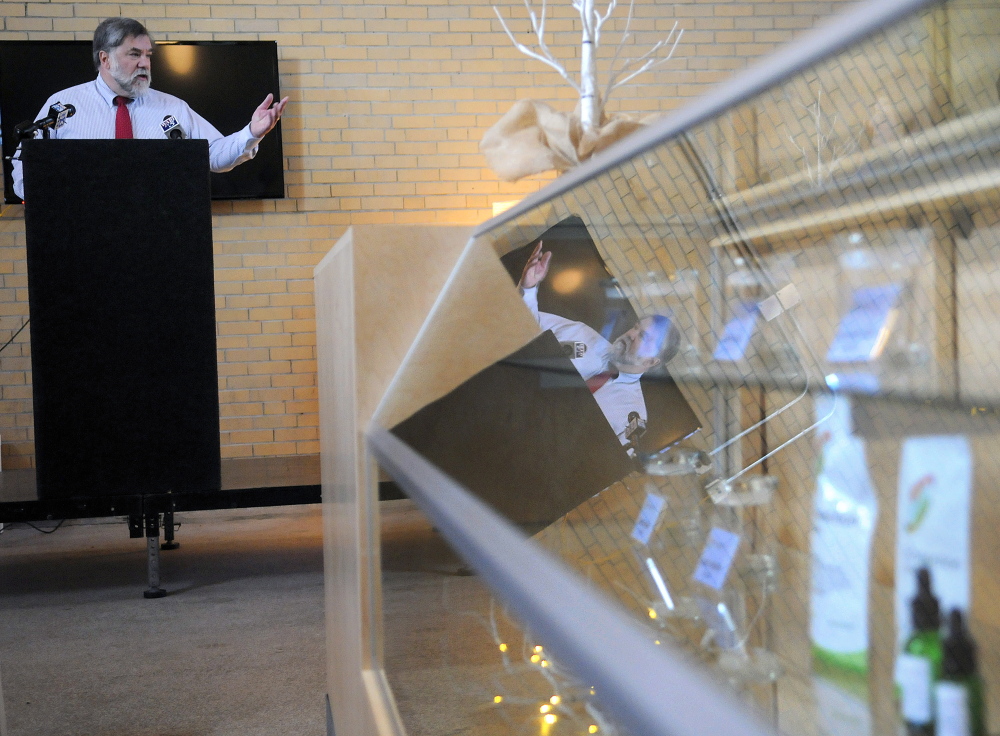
<point x="112" y="32"/>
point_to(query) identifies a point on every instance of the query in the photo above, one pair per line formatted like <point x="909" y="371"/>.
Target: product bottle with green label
<point x="918" y="666"/>
<point x="958" y="697"/>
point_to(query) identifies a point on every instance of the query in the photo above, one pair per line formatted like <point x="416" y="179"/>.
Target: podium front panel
<point x="122" y="307"/>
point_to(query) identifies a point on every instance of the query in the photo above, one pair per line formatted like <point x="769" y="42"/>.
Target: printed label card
<point x="649" y="517"/>
<point x="717" y="558"/>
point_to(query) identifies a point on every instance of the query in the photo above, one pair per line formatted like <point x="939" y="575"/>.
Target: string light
<point x="549" y="712"/>
<point x="652" y="613"/>
<point x="547" y="709"/>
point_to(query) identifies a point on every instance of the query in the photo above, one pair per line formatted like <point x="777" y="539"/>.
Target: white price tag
<point x="716" y="559"/>
<point x="648" y="517"/>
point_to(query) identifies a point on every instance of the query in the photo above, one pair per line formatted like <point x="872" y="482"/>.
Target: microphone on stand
<point x="634" y="431"/>
<point x="55" y="119"/>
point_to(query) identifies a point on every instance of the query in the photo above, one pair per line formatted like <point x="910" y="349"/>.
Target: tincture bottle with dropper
<point x="958" y="697"/>
<point x="918" y="666"/>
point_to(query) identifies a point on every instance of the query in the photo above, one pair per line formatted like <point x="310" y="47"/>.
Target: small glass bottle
<point x="918" y="666"/>
<point x="958" y="697"/>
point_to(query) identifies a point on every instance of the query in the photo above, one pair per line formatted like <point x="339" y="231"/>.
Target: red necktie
<point x="595" y="382"/>
<point x="123" y="123"/>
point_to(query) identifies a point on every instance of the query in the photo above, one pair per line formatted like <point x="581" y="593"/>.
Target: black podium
<point x="122" y="307"/>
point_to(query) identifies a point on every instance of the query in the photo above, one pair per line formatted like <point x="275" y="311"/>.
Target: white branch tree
<point x="591" y="101"/>
<point x="822" y="144"/>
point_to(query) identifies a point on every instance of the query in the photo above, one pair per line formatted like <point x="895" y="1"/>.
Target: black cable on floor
<point x="39" y="529"/>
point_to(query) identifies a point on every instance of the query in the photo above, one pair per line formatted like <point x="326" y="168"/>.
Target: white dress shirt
<point x="95" y="118"/>
<point x="619" y="396"/>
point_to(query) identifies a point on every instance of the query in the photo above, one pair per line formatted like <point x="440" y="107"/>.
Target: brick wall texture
<point x="388" y="104"/>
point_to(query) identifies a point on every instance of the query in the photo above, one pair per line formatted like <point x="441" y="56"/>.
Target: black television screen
<point x="223" y="81"/>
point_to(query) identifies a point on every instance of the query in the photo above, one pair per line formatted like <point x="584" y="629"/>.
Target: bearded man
<point x="611" y="370"/>
<point x="121" y="104"/>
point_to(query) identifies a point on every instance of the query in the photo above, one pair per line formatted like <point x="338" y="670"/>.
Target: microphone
<point x="573" y="349"/>
<point x="634" y="431"/>
<point x="171" y="128"/>
<point x="55" y="119"/>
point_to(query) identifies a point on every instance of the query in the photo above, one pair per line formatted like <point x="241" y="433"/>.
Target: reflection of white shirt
<point x="619" y="396"/>
<point x="95" y="118"/>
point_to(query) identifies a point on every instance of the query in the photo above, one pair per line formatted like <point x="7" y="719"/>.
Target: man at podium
<point x="121" y="104"/>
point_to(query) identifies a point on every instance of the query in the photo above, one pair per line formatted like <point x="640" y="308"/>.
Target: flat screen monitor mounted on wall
<point x="223" y="81"/>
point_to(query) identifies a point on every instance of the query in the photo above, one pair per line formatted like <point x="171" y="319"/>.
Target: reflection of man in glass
<point x="611" y="369"/>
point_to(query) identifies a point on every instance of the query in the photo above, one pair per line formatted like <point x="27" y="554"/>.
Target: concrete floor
<point x="238" y="644"/>
<point x="237" y="647"/>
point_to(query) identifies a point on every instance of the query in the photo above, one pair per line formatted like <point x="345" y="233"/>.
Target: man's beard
<point x="619" y="349"/>
<point x="137" y="85"/>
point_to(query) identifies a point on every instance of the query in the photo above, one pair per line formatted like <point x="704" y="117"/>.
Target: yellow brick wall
<point x="388" y="103"/>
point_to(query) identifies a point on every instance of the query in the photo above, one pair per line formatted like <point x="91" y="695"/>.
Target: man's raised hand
<point x="266" y="117"/>
<point x="536" y="268"/>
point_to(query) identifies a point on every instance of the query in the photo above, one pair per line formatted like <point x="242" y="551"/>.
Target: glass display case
<point x="779" y="474"/>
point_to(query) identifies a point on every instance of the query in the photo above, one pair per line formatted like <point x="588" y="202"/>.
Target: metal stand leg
<point x="153" y="557"/>
<point x="168" y="531"/>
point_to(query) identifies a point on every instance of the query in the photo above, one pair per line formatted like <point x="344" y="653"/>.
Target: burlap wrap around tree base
<point x="533" y="137"/>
